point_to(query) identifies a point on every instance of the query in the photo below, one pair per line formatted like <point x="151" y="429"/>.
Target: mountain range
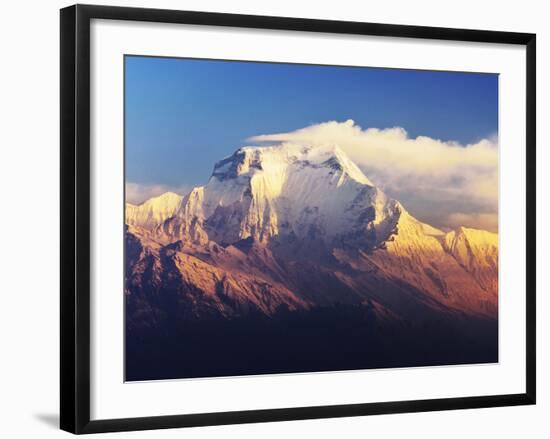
<point x="294" y="229"/>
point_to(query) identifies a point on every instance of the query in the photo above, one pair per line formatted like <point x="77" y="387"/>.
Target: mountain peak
<point x="248" y="160"/>
<point x="154" y="210"/>
<point x="288" y="190"/>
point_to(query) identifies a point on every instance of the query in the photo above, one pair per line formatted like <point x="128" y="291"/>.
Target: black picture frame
<point x="75" y="217"/>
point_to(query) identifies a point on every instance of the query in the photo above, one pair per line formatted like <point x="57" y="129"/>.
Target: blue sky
<point x="183" y="115"/>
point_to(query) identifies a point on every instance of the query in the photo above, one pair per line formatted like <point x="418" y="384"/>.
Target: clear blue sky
<point x="183" y="115"/>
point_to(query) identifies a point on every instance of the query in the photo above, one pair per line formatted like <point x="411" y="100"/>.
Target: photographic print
<point x="286" y="218"/>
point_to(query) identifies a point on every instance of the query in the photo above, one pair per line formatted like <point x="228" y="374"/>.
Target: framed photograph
<point x="267" y="219"/>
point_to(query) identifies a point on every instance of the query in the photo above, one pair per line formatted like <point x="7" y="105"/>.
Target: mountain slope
<point x="428" y="259"/>
<point x="199" y="282"/>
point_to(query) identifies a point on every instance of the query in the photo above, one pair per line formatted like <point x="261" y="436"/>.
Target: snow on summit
<point x="263" y="191"/>
<point x="275" y="159"/>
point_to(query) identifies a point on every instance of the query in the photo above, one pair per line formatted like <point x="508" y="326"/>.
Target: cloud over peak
<point x="440" y="182"/>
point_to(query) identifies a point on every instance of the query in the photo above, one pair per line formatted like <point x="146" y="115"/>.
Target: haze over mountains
<point x="301" y="230"/>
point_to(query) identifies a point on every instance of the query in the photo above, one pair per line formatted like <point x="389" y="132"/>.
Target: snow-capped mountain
<point x="290" y="190"/>
<point x="301" y="227"/>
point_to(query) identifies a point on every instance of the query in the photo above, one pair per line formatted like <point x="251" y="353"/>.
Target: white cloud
<point x="137" y="193"/>
<point x="439" y="182"/>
